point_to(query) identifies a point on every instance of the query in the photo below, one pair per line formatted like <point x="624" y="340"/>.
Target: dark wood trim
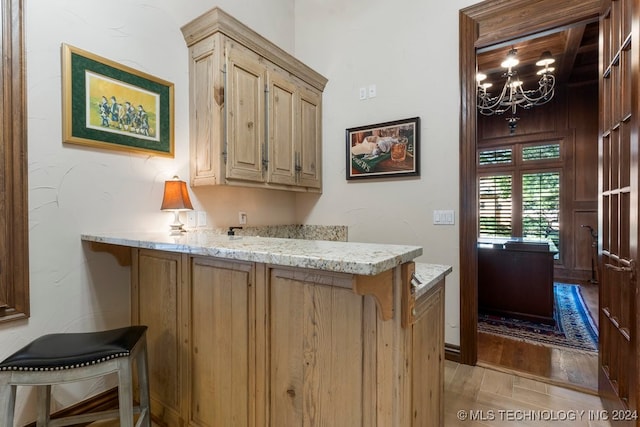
<point x="14" y="232"/>
<point x="468" y="194"/>
<point x="452" y="352"/>
<point x="482" y="25"/>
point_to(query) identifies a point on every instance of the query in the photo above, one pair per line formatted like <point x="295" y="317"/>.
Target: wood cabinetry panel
<point x="245" y="120"/>
<point x="282" y="116"/>
<point x="255" y="111"/>
<point x="222" y="352"/>
<point x="316" y="353"/>
<point x="242" y="344"/>
<point x="310" y="138"/>
<point x="157" y="302"/>
<point x="428" y="359"/>
<point x="205" y="159"/>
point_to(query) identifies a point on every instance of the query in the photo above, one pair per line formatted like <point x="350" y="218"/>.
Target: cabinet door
<point x="206" y="96"/>
<point x="157" y="301"/>
<point x="245" y="115"/>
<point x="309" y="162"/>
<point x="294" y="132"/>
<point x="282" y="129"/>
<point x="222" y="354"/>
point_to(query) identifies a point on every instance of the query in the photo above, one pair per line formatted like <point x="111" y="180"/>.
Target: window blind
<point x="495" y="205"/>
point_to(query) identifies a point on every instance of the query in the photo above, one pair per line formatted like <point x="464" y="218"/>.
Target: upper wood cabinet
<point x="255" y="110"/>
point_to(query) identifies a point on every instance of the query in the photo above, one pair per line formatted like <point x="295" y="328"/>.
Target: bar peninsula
<point x="256" y="331"/>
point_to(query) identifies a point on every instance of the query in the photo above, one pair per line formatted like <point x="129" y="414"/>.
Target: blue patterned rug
<point x="574" y="328"/>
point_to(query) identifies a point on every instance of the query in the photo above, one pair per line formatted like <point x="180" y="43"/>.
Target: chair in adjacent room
<point x="71" y="357"/>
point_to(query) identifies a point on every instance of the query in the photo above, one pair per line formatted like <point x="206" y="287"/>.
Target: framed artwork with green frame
<point x="109" y="105"/>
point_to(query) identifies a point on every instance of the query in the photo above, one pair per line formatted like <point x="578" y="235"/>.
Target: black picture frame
<point x="109" y="105"/>
<point x="384" y="150"/>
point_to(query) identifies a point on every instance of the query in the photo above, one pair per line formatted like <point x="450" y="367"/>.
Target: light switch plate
<point x="444" y="217"/>
<point x="202" y="218"/>
<point x="372" y="91"/>
<point x="191" y="219"/>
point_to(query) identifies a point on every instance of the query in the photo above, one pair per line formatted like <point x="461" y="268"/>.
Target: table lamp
<point x="176" y="199"/>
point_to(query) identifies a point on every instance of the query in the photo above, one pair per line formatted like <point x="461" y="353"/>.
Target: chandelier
<point x="513" y="94"/>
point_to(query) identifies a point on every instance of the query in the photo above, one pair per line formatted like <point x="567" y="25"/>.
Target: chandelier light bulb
<point x="545" y="59"/>
<point x="511" y="60"/>
<point x="545" y="70"/>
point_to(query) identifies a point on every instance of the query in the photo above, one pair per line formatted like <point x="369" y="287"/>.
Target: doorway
<point x="487" y="24"/>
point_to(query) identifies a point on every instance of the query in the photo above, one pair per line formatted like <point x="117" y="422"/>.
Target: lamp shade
<point x="176" y="196"/>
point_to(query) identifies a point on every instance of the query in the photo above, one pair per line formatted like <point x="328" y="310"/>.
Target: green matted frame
<point x="109" y="105"/>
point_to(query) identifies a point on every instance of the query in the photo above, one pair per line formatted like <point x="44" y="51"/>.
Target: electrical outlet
<point x="242" y="218"/>
<point x="202" y="218"/>
<point x="192" y="219"/>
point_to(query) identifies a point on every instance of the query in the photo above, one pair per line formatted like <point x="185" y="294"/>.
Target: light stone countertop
<point x="343" y="257"/>
<point x="427" y="275"/>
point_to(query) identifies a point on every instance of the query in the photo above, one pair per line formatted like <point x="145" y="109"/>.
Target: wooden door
<point x="482" y="25"/>
<point x="246" y="79"/>
<point x="618" y="188"/>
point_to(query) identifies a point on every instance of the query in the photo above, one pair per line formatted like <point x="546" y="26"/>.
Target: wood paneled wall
<point x="574" y="112"/>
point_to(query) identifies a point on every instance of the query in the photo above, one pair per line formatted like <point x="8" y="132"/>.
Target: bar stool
<point x="69" y="357"/>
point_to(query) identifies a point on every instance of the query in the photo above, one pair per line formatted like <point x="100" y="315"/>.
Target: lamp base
<point x="177" y="227"/>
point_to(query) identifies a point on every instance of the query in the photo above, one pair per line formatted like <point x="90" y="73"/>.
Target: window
<point x="519" y="195"/>
<point x="14" y="237"/>
<point x="541" y="205"/>
<point x="495" y="206"/>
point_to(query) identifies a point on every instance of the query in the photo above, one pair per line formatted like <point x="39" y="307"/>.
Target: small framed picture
<point x="383" y="150"/>
<point x="109" y="105"/>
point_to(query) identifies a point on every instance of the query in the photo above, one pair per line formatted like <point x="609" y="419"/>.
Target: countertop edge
<point x="429" y="275"/>
<point x="291" y="259"/>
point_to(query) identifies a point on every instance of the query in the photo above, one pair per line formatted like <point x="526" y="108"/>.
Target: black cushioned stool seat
<point x="67" y="357"/>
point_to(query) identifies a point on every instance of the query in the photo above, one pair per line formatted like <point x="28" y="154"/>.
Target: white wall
<point x="74" y="189"/>
<point x="409" y="50"/>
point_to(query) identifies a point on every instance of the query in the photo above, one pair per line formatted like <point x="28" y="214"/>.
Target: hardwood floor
<point x="478" y="396"/>
<point x="573" y="369"/>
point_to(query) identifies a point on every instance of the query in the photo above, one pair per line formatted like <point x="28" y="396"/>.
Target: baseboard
<point x="100" y="402"/>
<point x="452" y="352"/>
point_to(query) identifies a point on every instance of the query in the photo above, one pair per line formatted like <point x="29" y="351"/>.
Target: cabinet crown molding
<point x="218" y="21"/>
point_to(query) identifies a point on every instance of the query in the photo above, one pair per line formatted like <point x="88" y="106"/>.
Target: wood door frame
<point x="14" y="212"/>
<point x="485" y="24"/>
